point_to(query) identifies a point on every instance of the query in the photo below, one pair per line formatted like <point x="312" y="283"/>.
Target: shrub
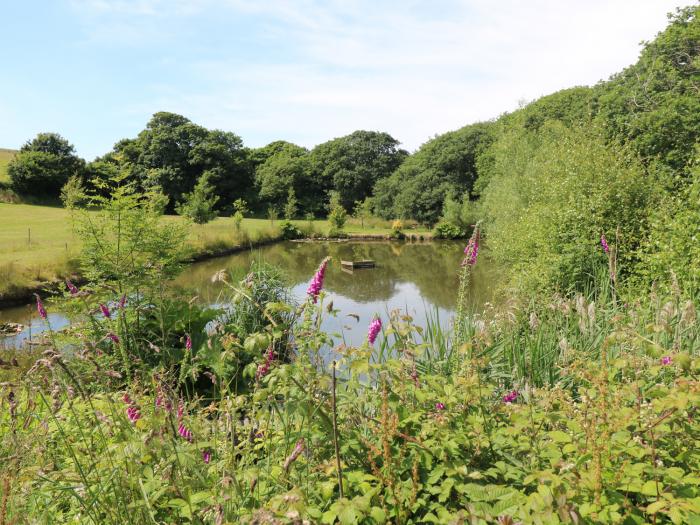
<point x="289" y="231"/>
<point x="447" y="230"/>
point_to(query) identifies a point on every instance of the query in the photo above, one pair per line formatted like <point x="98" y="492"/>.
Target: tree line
<point x="643" y="123"/>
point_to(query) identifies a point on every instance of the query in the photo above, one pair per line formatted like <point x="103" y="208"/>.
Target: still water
<point x="420" y="278"/>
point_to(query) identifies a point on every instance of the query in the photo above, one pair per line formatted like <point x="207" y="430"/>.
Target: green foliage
<point x="291" y="207"/>
<point x="447" y="230"/>
<point x="173" y="153"/>
<point x="289" y="231"/>
<point x="73" y="193"/>
<point x="363" y="210"/>
<point x="351" y="165"/>
<point x="671" y="249"/>
<point x="337" y="215"/>
<point x="44" y="165"/>
<point x="422" y="437"/>
<point x="199" y="206"/>
<point x="287" y="168"/>
<point x="553" y="194"/>
<point x="241" y="206"/>
<point x="442" y="166"/>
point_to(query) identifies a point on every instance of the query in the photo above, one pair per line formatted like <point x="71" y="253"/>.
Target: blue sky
<point x="300" y="70"/>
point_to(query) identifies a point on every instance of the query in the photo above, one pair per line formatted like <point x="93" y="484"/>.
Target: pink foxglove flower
<point x="471" y="251"/>
<point x="666" y="360"/>
<point x="206" y="456"/>
<point x="510" y="396"/>
<point x="40" y="307"/>
<point x="72" y="288"/>
<point x="374" y="328"/>
<point x="439" y="406"/>
<point x="180" y="409"/>
<point x="604" y="244"/>
<point x="122" y="302"/>
<point x="184" y="432"/>
<point x="113" y="337"/>
<point x="264" y="367"/>
<point x="133" y="414"/>
<point x="298" y="449"/>
<point x="188" y="342"/>
<point x="316" y="284"/>
<point x="105" y="311"/>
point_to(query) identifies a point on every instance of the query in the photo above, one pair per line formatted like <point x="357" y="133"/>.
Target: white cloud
<point x="413" y="69"/>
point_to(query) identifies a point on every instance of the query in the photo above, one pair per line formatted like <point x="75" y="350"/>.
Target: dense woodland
<point x="619" y="158"/>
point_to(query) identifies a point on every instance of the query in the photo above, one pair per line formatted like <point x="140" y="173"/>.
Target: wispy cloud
<point x="308" y="70"/>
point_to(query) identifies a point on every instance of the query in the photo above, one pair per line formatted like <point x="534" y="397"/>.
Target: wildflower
<point x="133" y="414"/>
<point x="510" y="396"/>
<point x="105" y="311"/>
<point x="298" y="449"/>
<point x="40" y="307"/>
<point x="180" y="409"/>
<point x="113" y="337"/>
<point x="264" y="368"/>
<point x="122" y="302"/>
<point x="666" y="360"/>
<point x="206" y="456"/>
<point x="439" y="406"/>
<point x="316" y="284"/>
<point x="471" y="251"/>
<point x="604" y="244"/>
<point x="126" y="398"/>
<point x="374" y="329"/>
<point x="188" y="342"/>
<point x="184" y="432"/>
<point x="71" y="287"/>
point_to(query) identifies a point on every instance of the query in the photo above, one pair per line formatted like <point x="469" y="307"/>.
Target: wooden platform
<point x="357" y="264"/>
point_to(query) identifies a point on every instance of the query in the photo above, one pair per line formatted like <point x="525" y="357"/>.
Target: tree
<point x="199" y="205"/>
<point x="352" y="165"/>
<point x="287" y="168"/>
<point x="337" y="215"/>
<point x="290" y="208"/>
<point x="445" y="164"/>
<point x="44" y="165"/>
<point x="363" y="210"/>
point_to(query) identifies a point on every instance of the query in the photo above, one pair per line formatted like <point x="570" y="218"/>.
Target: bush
<point x="289" y="231"/>
<point x="447" y="230"/>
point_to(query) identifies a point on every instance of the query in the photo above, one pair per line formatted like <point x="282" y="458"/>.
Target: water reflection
<point x="419" y="277"/>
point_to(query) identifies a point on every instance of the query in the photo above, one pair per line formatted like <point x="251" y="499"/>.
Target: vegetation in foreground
<point x="580" y="410"/>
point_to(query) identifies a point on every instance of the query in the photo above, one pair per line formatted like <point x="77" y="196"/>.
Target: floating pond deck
<point x="354" y="265"/>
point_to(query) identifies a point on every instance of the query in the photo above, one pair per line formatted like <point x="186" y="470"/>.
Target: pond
<point x="419" y="278"/>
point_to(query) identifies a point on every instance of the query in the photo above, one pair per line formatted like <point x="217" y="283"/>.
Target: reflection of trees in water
<point x="432" y="267"/>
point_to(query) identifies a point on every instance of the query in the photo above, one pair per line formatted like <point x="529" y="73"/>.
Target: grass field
<point x="6" y="156"/>
<point x="37" y="243"/>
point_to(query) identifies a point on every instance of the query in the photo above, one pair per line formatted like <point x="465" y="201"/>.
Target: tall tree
<point x="351" y="165"/>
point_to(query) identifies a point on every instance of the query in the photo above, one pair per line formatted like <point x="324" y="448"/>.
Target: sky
<point x="304" y="71"/>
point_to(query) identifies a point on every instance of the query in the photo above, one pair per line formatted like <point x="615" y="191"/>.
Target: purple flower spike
<point x="316" y="284"/>
<point x="184" y="432"/>
<point x="374" y="329"/>
<point x="113" y="337"/>
<point x="40" y="307"/>
<point x="471" y="251"/>
<point x="188" y="342"/>
<point x="510" y="396"/>
<point x="105" y="311"/>
<point x="604" y="244"/>
<point x="71" y="287"/>
<point x="122" y="302"/>
<point x="206" y="456"/>
<point x="666" y="360"/>
<point x="133" y="414"/>
<point x="439" y="406"/>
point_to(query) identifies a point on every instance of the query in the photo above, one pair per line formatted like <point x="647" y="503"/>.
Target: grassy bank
<point x="38" y="244"/>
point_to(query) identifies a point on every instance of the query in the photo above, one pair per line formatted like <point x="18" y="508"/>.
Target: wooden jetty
<point x="354" y="265"/>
